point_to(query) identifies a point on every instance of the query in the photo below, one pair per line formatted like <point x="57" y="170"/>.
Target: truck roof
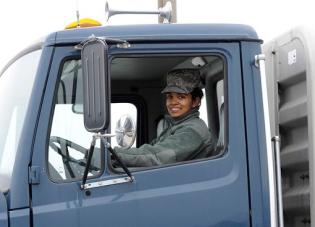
<point x="152" y="32"/>
<point x="159" y="32"/>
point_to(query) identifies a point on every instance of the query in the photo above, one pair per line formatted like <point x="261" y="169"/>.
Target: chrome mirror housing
<point x="125" y="131"/>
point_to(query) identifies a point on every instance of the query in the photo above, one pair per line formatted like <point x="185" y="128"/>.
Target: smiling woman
<point x="178" y="104"/>
<point x="181" y="85"/>
<point x="184" y="136"/>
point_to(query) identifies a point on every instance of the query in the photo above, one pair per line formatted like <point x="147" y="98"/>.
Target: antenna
<point x="78" y="13"/>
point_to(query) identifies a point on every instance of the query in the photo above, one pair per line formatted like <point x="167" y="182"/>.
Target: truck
<point x="65" y="98"/>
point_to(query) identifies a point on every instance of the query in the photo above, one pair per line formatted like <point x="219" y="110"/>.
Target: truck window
<point x="69" y="140"/>
<point x="146" y="77"/>
<point x="142" y="78"/>
<point x="19" y="76"/>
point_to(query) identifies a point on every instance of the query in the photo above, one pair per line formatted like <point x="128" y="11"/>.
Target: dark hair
<point x="196" y="93"/>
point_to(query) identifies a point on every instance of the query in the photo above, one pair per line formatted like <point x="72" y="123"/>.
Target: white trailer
<point x="290" y="70"/>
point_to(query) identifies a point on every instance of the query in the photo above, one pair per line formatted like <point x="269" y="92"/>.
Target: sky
<point x="24" y="22"/>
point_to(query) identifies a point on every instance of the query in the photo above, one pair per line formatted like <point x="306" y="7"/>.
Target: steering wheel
<point x="75" y="167"/>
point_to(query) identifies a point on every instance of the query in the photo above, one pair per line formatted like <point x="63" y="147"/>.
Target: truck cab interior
<point x="136" y="85"/>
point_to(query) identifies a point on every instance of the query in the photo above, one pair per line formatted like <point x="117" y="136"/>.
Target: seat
<point x="220" y="141"/>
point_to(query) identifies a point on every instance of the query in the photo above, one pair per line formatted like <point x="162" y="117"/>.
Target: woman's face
<point x="178" y="104"/>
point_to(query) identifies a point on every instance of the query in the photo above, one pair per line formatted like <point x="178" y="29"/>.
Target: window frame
<point x="194" y="53"/>
<point x="142" y="115"/>
<point x="141" y="126"/>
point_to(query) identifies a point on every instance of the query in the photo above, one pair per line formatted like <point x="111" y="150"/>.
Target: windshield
<point x="15" y="89"/>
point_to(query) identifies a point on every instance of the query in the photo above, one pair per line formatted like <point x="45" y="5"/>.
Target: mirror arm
<point x="88" y="162"/>
<point x="120" y="42"/>
<point x="111" y="150"/>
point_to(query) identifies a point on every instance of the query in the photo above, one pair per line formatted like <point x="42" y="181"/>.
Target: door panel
<point x="211" y="192"/>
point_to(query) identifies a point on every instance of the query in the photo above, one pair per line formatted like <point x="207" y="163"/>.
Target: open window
<point x="144" y="76"/>
<point x="136" y="85"/>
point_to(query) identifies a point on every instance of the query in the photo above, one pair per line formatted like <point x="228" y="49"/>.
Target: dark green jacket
<point x="183" y="139"/>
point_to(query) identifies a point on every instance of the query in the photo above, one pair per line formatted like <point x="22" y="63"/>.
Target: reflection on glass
<point x="16" y="85"/>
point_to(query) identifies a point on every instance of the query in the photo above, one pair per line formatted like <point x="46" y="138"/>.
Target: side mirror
<point x="125" y="132"/>
<point x="96" y="96"/>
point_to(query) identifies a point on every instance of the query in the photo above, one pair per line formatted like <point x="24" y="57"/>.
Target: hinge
<point x="34" y="175"/>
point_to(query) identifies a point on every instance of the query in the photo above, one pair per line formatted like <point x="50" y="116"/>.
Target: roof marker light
<point x="83" y="23"/>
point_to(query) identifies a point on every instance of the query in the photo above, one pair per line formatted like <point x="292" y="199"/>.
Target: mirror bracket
<point x="120" y="42"/>
<point x="103" y="139"/>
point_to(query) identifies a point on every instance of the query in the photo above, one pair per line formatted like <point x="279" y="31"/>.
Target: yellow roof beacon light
<point x="83" y="23"/>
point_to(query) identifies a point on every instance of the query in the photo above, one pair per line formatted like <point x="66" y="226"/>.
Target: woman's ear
<point x="196" y="102"/>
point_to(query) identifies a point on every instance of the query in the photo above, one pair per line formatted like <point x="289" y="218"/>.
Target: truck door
<point x="210" y="191"/>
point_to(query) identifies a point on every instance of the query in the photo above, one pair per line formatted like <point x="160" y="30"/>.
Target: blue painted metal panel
<point x="19" y="190"/>
<point x="230" y="32"/>
<point x="3" y="211"/>
<point x="204" y="193"/>
<point x="20" y="218"/>
<point x="61" y="206"/>
<point x="257" y="156"/>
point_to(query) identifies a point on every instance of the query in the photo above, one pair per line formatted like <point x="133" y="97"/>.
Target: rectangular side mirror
<point x="96" y="95"/>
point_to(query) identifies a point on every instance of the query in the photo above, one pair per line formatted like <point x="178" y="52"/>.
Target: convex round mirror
<point x="125" y="131"/>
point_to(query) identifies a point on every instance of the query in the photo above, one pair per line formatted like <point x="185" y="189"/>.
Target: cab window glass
<point x="68" y="145"/>
<point x="203" y="109"/>
<point x="69" y="140"/>
<point x="16" y="85"/>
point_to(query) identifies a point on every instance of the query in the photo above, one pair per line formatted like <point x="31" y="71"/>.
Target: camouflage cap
<point x="182" y="81"/>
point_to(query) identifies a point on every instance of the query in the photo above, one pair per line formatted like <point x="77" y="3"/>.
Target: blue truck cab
<point x="50" y="177"/>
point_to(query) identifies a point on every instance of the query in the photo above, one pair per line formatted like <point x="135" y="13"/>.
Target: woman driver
<point x="184" y="136"/>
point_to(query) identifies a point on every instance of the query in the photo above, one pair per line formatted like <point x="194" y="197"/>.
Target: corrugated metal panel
<point x="288" y="71"/>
